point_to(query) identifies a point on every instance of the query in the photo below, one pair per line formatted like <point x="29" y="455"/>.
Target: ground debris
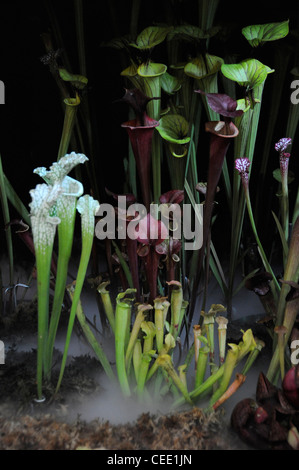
<point x="189" y="430"/>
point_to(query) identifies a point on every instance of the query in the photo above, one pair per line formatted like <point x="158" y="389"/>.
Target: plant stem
<point x="240" y="379"/>
<point x="65" y="242"/>
<point x="109" y="310"/>
<point x="206" y="386"/>
<point x="68" y="124"/>
<point x="90" y="336"/>
<point x="43" y="267"/>
<point x="142" y="373"/>
<point x="122" y="320"/>
<point x="6" y="216"/>
<point x="87" y="206"/>
<point x="137" y="353"/>
<point x="285" y="205"/>
<point x="261" y="250"/>
<point x="164" y="361"/>
<point x="201" y="366"/>
<point x="176" y="307"/>
<point x="160" y="304"/>
<point x="229" y="365"/>
<point x="135" y="331"/>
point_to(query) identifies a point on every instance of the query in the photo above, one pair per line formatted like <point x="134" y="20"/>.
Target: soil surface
<point x="54" y="424"/>
<point x="27" y="425"/>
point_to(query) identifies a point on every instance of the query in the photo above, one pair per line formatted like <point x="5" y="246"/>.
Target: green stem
<point x="123" y="264"/>
<point x="296" y="209"/>
<point x="65" y="243"/>
<point x="137" y="354"/>
<point x="87" y="206"/>
<point x="252" y="357"/>
<point x="68" y="124"/>
<point x="6" y="216"/>
<point x="43" y="267"/>
<point x="176" y="302"/>
<point x="122" y="320"/>
<point x="261" y="250"/>
<point x="142" y="373"/>
<point x="201" y="366"/>
<point x="291" y="271"/>
<point x="229" y="365"/>
<point x="164" y="361"/>
<point x="151" y="74"/>
<point x="84" y="260"/>
<point x="205" y="387"/>
<point x="135" y="331"/>
<point x="91" y="338"/>
<point x="290" y="316"/>
<point x="285" y="206"/>
<point x="160" y="305"/>
<point x="108" y="307"/>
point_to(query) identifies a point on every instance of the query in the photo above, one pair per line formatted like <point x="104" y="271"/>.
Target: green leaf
<point x="130" y="71"/>
<point x="190" y="33"/>
<point x="170" y="84"/>
<point x="201" y="67"/>
<point x="151" y="69"/>
<point x="277" y="176"/>
<point x="174" y="128"/>
<point x="260" y="33"/>
<point x="16" y="201"/>
<point x="243" y="104"/>
<point x="249" y="73"/>
<point x="284" y="243"/>
<point x="151" y="37"/>
<point x="117" y="43"/>
<point x="79" y="81"/>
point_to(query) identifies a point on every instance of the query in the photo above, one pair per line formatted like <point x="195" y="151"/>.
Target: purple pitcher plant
<point x="150" y="234"/>
<point x="140" y="131"/>
<point x="221" y="133"/>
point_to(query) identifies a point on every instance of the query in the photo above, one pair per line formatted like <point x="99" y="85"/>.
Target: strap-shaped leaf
<point x="248" y="73"/>
<point x="260" y="33"/>
<point x="174" y="128"/>
<point x="151" y="37"/>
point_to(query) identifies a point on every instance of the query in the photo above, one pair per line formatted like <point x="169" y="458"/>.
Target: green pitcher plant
<point x="54" y="204"/>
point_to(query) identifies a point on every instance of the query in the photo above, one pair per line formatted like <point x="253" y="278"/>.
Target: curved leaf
<point x="151" y="69"/>
<point x="277" y="175"/>
<point x="201" y="67"/>
<point x="222" y="104"/>
<point x="151" y="37"/>
<point x="248" y="73"/>
<point x="130" y="71"/>
<point x="174" y="128"/>
<point x="79" y="81"/>
<point x="260" y="33"/>
<point x="189" y="32"/>
<point x="118" y="42"/>
<point x="170" y="84"/>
